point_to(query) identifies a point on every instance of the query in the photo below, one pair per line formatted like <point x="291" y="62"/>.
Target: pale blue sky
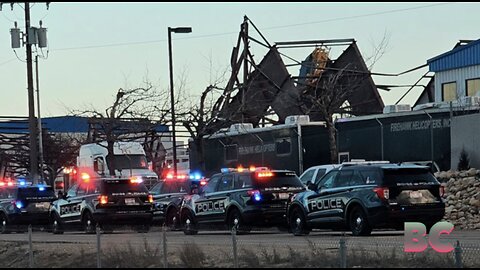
<point x="78" y="77"/>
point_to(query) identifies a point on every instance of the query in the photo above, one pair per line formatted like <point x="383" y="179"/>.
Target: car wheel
<point x="171" y="220"/>
<point x="298" y="223"/>
<point x="4" y="228"/>
<point x="359" y="223"/>
<point x="89" y="225"/>
<point x="235" y="220"/>
<point x="189" y="224"/>
<point x="56" y="224"/>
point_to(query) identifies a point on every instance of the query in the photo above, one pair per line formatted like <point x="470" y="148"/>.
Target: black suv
<point x="106" y="202"/>
<point x="24" y="205"/>
<point x="363" y="197"/>
<point x="168" y="196"/>
<point x="241" y="198"/>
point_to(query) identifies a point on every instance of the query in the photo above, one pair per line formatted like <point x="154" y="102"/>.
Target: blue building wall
<point x="61" y="124"/>
<point x="463" y="56"/>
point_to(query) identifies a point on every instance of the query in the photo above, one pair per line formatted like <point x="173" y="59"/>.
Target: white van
<point x="313" y="174"/>
<point x="130" y="160"/>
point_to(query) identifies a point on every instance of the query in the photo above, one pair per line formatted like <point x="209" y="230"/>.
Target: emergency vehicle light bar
<point x="242" y="169"/>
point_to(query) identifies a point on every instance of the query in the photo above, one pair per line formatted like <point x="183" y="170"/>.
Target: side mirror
<point x="194" y="189"/>
<point x="62" y="195"/>
<point x="312" y="186"/>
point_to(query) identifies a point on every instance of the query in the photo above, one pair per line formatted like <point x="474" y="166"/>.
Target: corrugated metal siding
<point x="468" y="56"/>
<point x="456" y="75"/>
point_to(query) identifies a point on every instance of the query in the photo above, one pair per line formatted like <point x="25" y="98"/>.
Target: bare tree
<point x="328" y="97"/>
<point x="196" y="117"/>
<point x="134" y="110"/>
<point x="379" y="49"/>
<point x="58" y="151"/>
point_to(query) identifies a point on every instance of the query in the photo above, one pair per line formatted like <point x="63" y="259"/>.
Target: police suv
<point x="168" y="196"/>
<point x="364" y="197"/>
<point x="242" y="198"/>
<point x="23" y="204"/>
<point x="103" y="202"/>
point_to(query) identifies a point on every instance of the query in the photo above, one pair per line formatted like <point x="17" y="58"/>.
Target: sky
<point x="96" y="48"/>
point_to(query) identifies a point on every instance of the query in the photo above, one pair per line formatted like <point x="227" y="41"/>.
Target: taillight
<point x="103" y="199"/>
<point x="382" y="193"/>
<point x="136" y="180"/>
<point x="150" y="198"/>
<point x="256" y="195"/>
<point x="264" y="174"/>
<point x="85" y="177"/>
<point x="441" y="191"/>
<point x="18" y="204"/>
<point x="203" y="183"/>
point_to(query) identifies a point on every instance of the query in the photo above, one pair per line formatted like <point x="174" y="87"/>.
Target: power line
<point x="6" y="17"/>
<point x="356" y="16"/>
<point x="8" y="61"/>
<point x="263" y="29"/>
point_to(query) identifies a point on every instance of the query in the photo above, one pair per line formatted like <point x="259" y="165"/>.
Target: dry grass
<point x="54" y="255"/>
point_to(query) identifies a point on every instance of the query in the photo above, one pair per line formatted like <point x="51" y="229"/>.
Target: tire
<point x="358" y="222"/>
<point x="235" y="219"/>
<point x="172" y="219"/>
<point x="189" y="224"/>
<point x="4" y="227"/>
<point x="89" y="225"/>
<point x="298" y="223"/>
<point x="57" y="227"/>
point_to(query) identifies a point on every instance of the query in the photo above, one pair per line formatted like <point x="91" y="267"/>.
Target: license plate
<point x="42" y="205"/>
<point x="130" y="201"/>
<point x="415" y="194"/>
<point x="283" y="196"/>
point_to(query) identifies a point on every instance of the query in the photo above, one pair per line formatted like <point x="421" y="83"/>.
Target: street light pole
<point x="172" y="99"/>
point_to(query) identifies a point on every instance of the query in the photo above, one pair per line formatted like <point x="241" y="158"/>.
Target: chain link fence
<point x="162" y="248"/>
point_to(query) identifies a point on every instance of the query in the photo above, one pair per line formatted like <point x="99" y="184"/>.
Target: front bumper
<point x="263" y="216"/>
<point x="158" y="217"/>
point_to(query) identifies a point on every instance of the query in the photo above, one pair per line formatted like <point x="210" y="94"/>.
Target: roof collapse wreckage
<point x="269" y="89"/>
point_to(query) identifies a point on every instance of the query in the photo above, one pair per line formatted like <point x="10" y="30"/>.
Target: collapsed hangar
<point x="269" y="93"/>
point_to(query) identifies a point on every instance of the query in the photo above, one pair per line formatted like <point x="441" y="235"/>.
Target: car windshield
<point x="125" y="162"/>
<point x="171" y="186"/>
<point x="409" y="177"/>
<point x="36" y="192"/>
<point x="277" y="179"/>
<point x="123" y="186"/>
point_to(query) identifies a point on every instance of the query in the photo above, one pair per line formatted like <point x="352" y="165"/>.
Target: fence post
<point x="30" y="247"/>
<point x="164" y="233"/>
<point x="234" y="240"/>
<point x="458" y="256"/>
<point x="343" y="252"/>
<point x="99" y="261"/>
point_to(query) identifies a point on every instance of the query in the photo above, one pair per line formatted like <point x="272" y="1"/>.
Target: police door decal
<point x="210" y="207"/>
<point x="320" y="204"/>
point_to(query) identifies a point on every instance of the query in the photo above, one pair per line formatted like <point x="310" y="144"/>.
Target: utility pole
<point x="31" y="101"/>
<point x="40" y="138"/>
<point x="38" y="37"/>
